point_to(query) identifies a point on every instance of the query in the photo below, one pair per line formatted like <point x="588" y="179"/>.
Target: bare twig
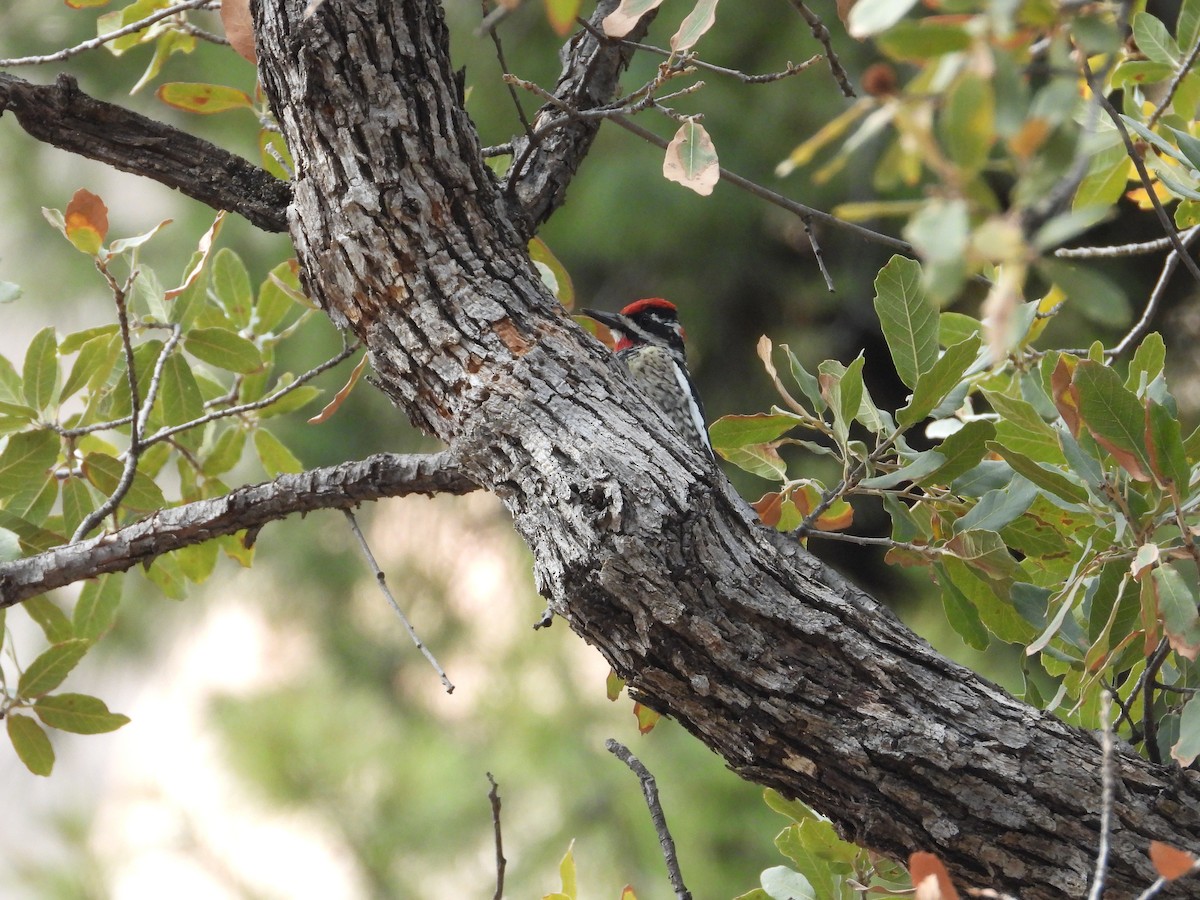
<point x="504" y="70"/>
<point x="1153" y="664"/>
<point x="1119" y="251"/>
<point x="779" y="200"/>
<point x="501" y="862"/>
<point x="1142" y="325"/>
<point x="650" y="791"/>
<point x="816" y="249"/>
<point x="1143" y="174"/>
<point x="381" y="579"/>
<point x="103" y="39"/>
<point x="1173" y="86"/>
<point x="821" y="33"/>
<point x="1106" y="799"/>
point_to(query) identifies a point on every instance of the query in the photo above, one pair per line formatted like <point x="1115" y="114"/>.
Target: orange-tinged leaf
<point x="239" y="27"/>
<point x="1170" y="862"/>
<point x="646" y="717"/>
<point x="1064" y="400"/>
<point x="340" y="397"/>
<point x="930" y="877"/>
<point x="691" y="159"/>
<point x="627" y="893"/>
<point x="561" y="15"/>
<point x="86" y="221"/>
<point x="85" y="4"/>
<point x="1029" y="137"/>
<point x="203" y="98"/>
<point x="838" y="517"/>
<point x="769" y="507"/>
<point x="554" y="274"/>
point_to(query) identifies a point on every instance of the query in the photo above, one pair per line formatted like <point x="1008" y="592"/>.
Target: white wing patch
<point x="685" y="389"/>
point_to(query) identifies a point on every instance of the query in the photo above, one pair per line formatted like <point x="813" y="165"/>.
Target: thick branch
<point x="247" y="508"/>
<point x="62" y="115"/>
<point x="798" y="679"/>
<point x="541" y="171"/>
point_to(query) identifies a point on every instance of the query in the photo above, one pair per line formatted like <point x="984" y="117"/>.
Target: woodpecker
<point x="650" y="342"/>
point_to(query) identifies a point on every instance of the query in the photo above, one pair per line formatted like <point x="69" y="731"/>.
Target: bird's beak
<point x="612" y="320"/>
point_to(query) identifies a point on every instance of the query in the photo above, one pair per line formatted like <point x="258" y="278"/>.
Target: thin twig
<point x="103" y="39"/>
<point x="691" y="59"/>
<point x="821" y="33"/>
<point x="650" y="791"/>
<point x="1143" y="174"/>
<point x="504" y="70"/>
<point x="1173" y="86"/>
<point x="203" y="35"/>
<point x="1120" y="251"/>
<point x="1106" y="797"/>
<point x="501" y="862"/>
<point x="779" y="200"/>
<point x="381" y="579"/>
<point x="1163" y="881"/>
<point x="1153" y="664"/>
<point x="816" y="249"/>
<point x="1142" y="325"/>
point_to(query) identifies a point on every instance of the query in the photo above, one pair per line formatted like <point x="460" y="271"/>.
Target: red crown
<point x="638" y="306"/>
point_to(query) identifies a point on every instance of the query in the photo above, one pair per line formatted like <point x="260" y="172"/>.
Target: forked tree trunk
<point x="800" y="681"/>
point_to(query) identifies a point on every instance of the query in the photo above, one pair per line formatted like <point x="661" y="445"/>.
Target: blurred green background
<point x="288" y="740"/>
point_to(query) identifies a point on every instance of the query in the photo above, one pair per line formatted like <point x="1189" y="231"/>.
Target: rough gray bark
<point x="798" y="679"/>
<point x="246" y="508"/>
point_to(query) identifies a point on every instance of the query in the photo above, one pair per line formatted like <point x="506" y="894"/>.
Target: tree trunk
<point x="800" y="681"/>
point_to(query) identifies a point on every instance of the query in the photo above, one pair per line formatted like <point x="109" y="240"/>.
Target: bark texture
<point x="246" y="508"/>
<point x="796" y="678"/>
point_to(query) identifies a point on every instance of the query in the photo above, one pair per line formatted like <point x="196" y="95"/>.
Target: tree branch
<point x="798" y="679"/>
<point x="250" y="507"/>
<point x="543" y="168"/>
<point x="62" y="115"/>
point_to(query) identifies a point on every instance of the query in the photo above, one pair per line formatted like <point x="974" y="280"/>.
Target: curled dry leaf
<point x="930" y="878"/>
<point x="239" y="27"/>
<point x="698" y="21"/>
<point x="340" y="397"/>
<point x="691" y="159"/>
<point x="86" y="221"/>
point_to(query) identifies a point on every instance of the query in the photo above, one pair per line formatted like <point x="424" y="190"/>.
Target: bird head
<point x="649" y="321"/>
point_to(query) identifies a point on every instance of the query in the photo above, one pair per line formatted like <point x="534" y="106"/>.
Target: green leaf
<point x="1113" y="415"/>
<point x="934" y="386"/>
<point x="909" y="320"/>
<point x="910" y="41"/>
<point x="796" y="810"/>
<point x="1165" y="443"/>
<point x="274" y="301"/>
<point x="781" y="882"/>
<point x="226" y="452"/>
<point x="998" y="508"/>
<point x="41" y="369"/>
<point x="1089" y="291"/>
<point x="962" y="451"/>
<point x="295" y="399"/>
<point x="30" y="741"/>
<point x="842" y="387"/>
<point x="231" y="284"/>
<point x="198" y="561"/>
<point x="940" y="231"/>
<point x="96" y="357"/>
<point x="167" y="575"/>
<point x="276" y="459"/>
<point x="203" y="98"/>
<point x="34" y="538"/>
<point x="968" y="122"/>
<point x="224" y="349"/>
<point x="1154" y="40"/>
<point x="919" y="468"/>
<point x="803" y="847"/>
<point x="180" y="398"/>
<point x="78" y="714"/>
<point x="760" y="428"/>
<point x="53" y="621"/>
<point x="1149" y="360"/>
<point x="1187" y="748"/>
<point x="961" y="613"/>
<point x="762" y="460"/>
<point x="105" y="471"/>
<point x="1188" y="146"/>
<point x="24" y="464"/>
<point x="1177" y="604"/>
<point x="954" y="328"/>
<point x="1048" y="479"/>
<point x="54" y="664"/>
<point x="1020" y="428"/>
<point x="1105" y="181"/>
<point x="96" y="609"/>
<point x="1187" y="26"/>
<point x="805" y="380"/>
